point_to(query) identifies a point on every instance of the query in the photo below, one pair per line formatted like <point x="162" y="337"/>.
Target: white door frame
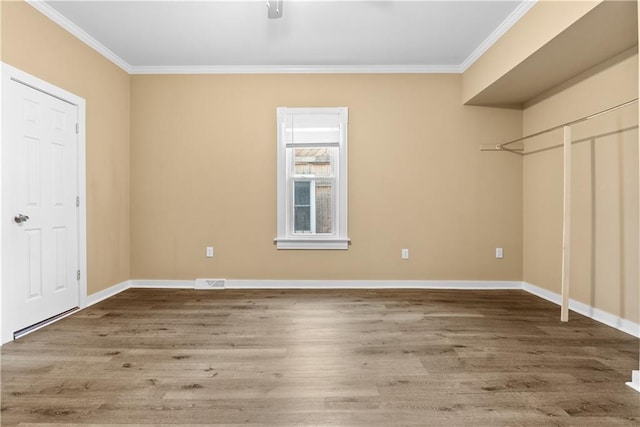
<point x="7" y="74"/>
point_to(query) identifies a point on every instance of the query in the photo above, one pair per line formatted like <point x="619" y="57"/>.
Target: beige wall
<point x="203" y="164"/>
<point x="604" y="247"/>
<point x="32" y="43"/>
<point x="543" y="22"/>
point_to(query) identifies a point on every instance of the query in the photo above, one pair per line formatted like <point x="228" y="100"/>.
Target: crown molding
<point x="509" y="22"/>
<point x="55" y="16"/>
<point x="298" y="69"/>
<point x="83" y="36"/>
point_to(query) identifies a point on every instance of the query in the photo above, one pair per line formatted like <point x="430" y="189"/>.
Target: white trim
<point x="635" y="381"/>
<point x="372" y="284"/>
<point x="107" y="293"/>
<point x="163" y="284"/>
<point x="11" y="73"/>
<point x="42" y="7"/>
<point x="607" y="318"/>
<point x="297" y="69"/>
<point x="335" y="284"/>
<point x="542" y="293"/>
<point x="509" y="22"/>
<point x="311" y="244"/>
<point x="596" y="314"/>
<point x="1" y="173"/>
<point x="82" y="194"/>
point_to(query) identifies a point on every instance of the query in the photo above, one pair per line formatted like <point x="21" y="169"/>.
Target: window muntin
<point x="312" y="177"/>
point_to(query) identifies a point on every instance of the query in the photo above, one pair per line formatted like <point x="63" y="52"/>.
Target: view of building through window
<point x="313" y="190"/>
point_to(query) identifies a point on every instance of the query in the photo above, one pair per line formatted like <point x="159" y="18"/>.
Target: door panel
<point x="41" y="162"/>
<point x="33" y="239"/>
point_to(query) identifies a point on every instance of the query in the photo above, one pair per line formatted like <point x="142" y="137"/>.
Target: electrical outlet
<point x="209" y="251"/>
<point x="405" y="254"/>
<point x="499" y="253"/>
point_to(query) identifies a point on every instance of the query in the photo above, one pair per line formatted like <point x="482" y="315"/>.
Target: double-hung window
<point x="312" y="178"/>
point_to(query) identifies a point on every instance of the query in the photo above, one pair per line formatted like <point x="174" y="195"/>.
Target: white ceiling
<point x="421" y="36"/>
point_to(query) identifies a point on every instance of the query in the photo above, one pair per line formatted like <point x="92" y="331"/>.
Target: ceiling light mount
<point x="274" y="9"/>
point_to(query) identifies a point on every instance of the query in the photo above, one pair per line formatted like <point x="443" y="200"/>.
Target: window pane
<point x="302" y="193"/>
<point x="302" y="207"/>
<point x="324" y="207"/>
<point x="313" y="161"/>
<point x="302" y="220"/>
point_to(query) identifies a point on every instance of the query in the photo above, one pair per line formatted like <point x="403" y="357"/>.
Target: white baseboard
<point x="163" y="284"/>
<point x="334" y="284"/>
<point x="123" y="286"/>
<point x="107" y="293"/>
<point x="127" y="284"/>
<point x="596" y="314"/>
<point x="542" y="293"/>
<point x="371" y="284"/>
<point x="635" y="381"/>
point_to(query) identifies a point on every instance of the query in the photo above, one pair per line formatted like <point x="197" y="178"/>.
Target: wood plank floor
<point x="321" y="357"/>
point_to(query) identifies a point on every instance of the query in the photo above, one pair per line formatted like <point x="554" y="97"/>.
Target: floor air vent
<point x="210" y="283"/>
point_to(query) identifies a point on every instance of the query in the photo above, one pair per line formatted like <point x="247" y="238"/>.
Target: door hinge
<point x="78" y="202"/>
<point x="78" y="275"/>
<point x="77" y="127"/>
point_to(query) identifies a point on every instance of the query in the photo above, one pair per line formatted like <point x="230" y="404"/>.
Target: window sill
<point x="321" y="244"/>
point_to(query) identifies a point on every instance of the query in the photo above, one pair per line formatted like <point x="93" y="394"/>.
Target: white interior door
<point x="40" y="173"/>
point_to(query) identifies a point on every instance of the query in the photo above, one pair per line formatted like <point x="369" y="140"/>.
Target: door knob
<point x="20" y="218"/>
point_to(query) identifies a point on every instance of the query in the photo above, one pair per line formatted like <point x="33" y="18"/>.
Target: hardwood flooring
<point x="319" y="358"/>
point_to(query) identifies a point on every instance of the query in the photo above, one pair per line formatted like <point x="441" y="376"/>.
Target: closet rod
<point x="573" y="122"/>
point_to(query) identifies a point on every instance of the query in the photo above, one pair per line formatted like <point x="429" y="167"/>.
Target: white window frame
<point x="286" y="238"/>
